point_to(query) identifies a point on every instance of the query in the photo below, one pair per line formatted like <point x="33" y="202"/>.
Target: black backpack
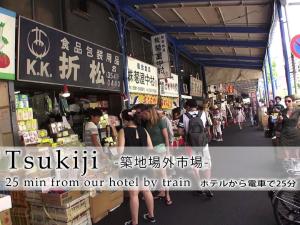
<point x="196" y="134"/>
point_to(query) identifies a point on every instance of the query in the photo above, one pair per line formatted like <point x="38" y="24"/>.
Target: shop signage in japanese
<point x="47" y="55"/>
<point x="7" y="44"/>
<point x="142" y="77"/>
<point x="168" y="103"/>
<point x="169" y="86"/>
<point x="143" y="99"/>
<point x="161" y="57"/>
<point x="195" y="87"/>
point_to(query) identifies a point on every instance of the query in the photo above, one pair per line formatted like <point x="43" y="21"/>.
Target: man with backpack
<point x="192" y="127"/>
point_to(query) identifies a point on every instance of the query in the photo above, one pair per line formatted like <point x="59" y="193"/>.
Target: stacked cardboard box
<point x="20" y="212"/>
<point x="5" y="205"/>
<point x="66" y="208"/>
<point x="103" y="202"/>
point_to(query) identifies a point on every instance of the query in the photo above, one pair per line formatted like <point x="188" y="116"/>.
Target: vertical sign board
<point x="142" y="77"/>
<point x="161" y="56"/>
<point x="7" y="44"/>
<point x="195" y="87"/>
<point x="47" y="55"/>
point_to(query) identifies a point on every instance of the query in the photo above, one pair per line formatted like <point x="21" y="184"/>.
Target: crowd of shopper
<point x="150" y="128"/>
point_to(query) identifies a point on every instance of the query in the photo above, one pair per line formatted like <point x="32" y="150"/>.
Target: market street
<point x="226" y="208"/>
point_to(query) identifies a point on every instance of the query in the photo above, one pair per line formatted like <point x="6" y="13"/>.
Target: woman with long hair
<point x="132" y="136"/>
<point x="157" y="129"/>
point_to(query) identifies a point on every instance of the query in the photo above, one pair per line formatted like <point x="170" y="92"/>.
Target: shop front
<point x="60" y="79"/>
<point x="169" y="93"/>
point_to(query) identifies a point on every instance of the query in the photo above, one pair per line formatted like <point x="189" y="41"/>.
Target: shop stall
<point x="60" y="78"/>
<point x="169" y="93"/>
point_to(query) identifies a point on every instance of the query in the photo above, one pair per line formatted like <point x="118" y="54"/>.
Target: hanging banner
<point x="142" y="77"/>
<point x="161" y="57"/>
<point x="195" y="87"/>
<point x="47" y="55"/>
<point x="230" y="89"/>
<point x="7" y="44"/>
<point x="137" y="98"/>
<point x="169" y="86"/>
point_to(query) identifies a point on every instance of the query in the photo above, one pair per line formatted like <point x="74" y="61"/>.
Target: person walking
<point x="217" y="124"/>
<point x="158" y="131"/>
<point x="289" y="125"/>
<point x="240" y="116"/>
<point x="192" y="127"/>
<point x="129" y="137"/>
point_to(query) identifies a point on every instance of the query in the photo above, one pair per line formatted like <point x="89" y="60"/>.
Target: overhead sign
<point x="169" y="86"/>
<point x="195" y="87"/>
<point x="142" y="77"/>
<point x="161" y="55"/>
<point x="295" y="46"/>
<point x="47" y="55"/>
<point x="137" y="98"/>
<point x="7" y="44"/>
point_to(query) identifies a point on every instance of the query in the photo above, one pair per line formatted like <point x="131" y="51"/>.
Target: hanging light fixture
<point x="65" y="92"/>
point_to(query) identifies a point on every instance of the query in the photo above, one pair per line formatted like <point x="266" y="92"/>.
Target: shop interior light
<point x="66" y="92"/>
<point x="17" y="92"/>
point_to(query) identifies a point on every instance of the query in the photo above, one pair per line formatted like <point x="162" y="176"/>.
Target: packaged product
<point x="30" y="113"/>
<point x="19" y="113"/>
<point x="42" y="133"/>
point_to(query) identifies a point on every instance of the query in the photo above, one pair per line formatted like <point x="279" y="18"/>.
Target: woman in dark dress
<point x="289" y="122"/>
<point x="131" y="137"/>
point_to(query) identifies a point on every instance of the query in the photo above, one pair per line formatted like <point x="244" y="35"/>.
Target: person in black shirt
<point x="133" y="135"/>
<point x="278" y="107"/>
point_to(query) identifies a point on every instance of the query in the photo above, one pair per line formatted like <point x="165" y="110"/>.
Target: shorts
<point x="205" y="154"/>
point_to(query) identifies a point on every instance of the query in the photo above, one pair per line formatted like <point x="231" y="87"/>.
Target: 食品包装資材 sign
<point x="47" y="55"/>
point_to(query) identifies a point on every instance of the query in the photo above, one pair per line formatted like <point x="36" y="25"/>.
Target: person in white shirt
<point x="183" y="128"/>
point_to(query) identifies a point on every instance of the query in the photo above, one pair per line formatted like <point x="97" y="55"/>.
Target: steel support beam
<point x="146" y="2"/>
<point x="215" y="29"/>
<point x="226" y="43"/>
<point x="284" y="48"/>
<point x="234" y="63"/>
<point x="226" y="57"/>
<point x="265" y="75"/>
<point x="234" y="66"/>
<point x="203" y="79"/>
<point x="271" y="73"/>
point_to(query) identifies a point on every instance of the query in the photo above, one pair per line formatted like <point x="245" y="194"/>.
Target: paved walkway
<point x="226" y="208"/>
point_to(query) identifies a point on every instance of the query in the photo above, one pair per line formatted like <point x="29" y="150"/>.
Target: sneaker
<point x="129" y="223"/>
<point x="148" y="218"/>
